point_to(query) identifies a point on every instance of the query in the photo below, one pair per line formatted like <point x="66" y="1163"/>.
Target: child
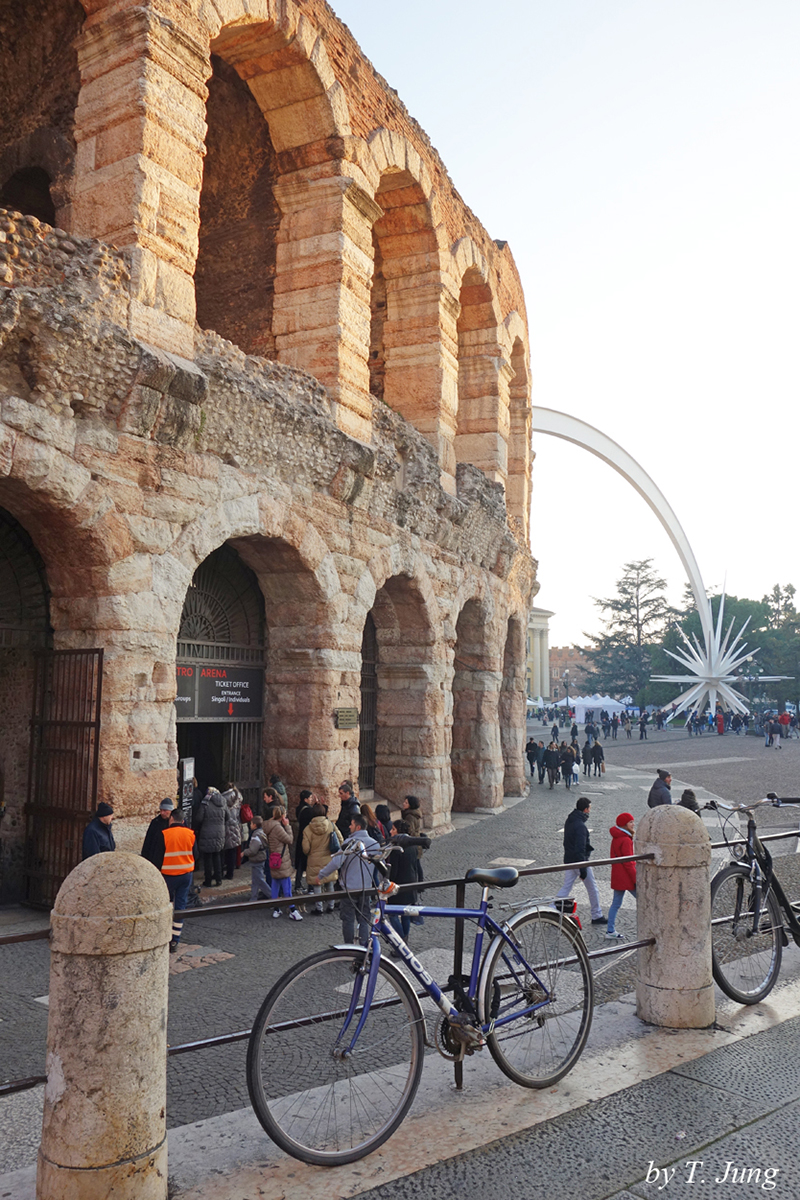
<point x="623" y="875"/>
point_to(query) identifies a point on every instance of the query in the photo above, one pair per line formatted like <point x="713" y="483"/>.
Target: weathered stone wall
<point x="354" y="257"/>
<point x="128" y="466"/>
<point x="353" y="420"/>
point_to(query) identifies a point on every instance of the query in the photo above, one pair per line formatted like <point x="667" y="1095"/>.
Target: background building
<point x="537" y="671"/>
<point x="573" y="659"/>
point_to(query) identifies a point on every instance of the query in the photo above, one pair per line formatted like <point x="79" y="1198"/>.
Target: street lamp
<point x="565" y="677"/>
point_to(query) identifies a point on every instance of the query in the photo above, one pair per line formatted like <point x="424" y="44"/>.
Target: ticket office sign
<point x="223" y="693"/>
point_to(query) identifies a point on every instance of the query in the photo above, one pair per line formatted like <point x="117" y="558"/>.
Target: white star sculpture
<point x="712" y="666"/>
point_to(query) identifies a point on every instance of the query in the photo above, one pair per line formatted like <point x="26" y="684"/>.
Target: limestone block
<point x="675" y="985"/>
<point x="104" y="1124"/>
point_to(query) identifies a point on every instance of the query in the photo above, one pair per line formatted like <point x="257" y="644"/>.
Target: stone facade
<point x="356" y="429"/>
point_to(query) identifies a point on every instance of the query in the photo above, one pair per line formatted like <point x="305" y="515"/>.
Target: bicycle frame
<point x="381" y="928"/>
<point x="763" y="875"/>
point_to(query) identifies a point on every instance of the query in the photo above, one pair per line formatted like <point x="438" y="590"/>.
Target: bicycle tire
<point x="324" y="1110"/>
<point x="744" y="966"/>
<point x="541" y="1048"/>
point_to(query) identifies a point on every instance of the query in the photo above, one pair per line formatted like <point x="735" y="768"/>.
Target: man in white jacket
<point x="357" y="877"/>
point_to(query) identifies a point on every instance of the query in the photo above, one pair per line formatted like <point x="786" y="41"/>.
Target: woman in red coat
<point x="623" y="875"/>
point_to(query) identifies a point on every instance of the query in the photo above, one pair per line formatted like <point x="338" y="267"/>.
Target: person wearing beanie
<point x="623" y="875"/>
<point x="153" y="844"/>
<point x="97" y="836"/>
<point x="689" y="800"/>
<point x="660" y="791"/>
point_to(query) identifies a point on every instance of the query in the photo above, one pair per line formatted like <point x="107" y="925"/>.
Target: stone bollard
<point x="104" y="1127"/>
<point x="674" y="983"/>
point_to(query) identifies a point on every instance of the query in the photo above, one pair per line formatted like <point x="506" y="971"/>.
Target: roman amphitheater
<point x="265" y="436"/>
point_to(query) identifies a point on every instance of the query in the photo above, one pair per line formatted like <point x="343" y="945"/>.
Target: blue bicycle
<point x="335" y="1055"/>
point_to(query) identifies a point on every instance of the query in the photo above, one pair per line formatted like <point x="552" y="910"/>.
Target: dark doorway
<point x="221" y="659"/>
<point x="28" y="191"/>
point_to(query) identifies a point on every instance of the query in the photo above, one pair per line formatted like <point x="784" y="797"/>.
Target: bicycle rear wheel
<point x="745" y="964"/>
<point x="538" y="1049"/>
<point x="316" y="1105"/>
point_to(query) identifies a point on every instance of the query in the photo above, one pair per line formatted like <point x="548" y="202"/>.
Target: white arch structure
<point x="713" y="665"/>
<point x="570" y="429"/>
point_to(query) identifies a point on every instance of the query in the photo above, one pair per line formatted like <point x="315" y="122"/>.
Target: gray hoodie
<point x="355" y="875"/>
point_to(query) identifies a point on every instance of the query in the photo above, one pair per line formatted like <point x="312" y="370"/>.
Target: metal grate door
<point x="62" y="771"/>
<point x="368" y="717"/>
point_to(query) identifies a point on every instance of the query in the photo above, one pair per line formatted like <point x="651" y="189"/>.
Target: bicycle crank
<point x="456" y="1036"/>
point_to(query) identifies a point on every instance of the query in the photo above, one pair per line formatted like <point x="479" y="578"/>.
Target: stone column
<point x="321" y="316"/>
<point x="674" y="986"/>
<point x="140" y="130"/>
<point x="104" y="1129"/>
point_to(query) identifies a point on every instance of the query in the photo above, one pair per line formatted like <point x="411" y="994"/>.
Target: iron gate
<point x="62" y="770"/>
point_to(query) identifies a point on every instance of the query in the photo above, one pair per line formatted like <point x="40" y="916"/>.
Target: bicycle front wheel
<point x="538" y="1048"/>
<point x="317" y="1103"/>
<point x="745" y="963"/>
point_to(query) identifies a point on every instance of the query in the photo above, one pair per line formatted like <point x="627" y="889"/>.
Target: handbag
<point x="245" y="814"/>
<point x="334" y="845"/>
<point x="602" y="768"/>
<point x="275" y="860"/>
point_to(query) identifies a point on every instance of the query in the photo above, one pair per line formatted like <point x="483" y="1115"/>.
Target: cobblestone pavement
<point x="225" y="995"/>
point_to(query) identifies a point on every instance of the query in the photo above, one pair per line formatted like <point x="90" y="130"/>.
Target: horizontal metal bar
<point x="38" y="935"/>
<point x="21" y="1085"/>
<point x="606" y="952"/>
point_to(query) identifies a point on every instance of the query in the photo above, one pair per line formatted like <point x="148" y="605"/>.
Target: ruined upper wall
<point x="265" y="178"/>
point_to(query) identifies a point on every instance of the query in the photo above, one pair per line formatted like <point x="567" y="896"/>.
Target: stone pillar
<point x="104" y="1129"/>
<point x="674" y="986"/>
<point x="140" y="130"/>
<point x="321" y="315"/>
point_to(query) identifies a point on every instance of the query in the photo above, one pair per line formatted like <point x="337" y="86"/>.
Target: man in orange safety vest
<point x="178" y="868"/>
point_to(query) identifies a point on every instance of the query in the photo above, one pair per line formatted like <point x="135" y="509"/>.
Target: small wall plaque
<point x="346" y="718"/>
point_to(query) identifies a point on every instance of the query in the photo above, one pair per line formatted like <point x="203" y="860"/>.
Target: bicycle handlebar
<point x="770" y="798"/>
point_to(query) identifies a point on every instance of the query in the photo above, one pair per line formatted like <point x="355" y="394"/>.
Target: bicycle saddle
<point x="493" y="877"/>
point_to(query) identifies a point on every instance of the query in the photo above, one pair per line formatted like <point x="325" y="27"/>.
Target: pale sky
<point x="641" y="158"/>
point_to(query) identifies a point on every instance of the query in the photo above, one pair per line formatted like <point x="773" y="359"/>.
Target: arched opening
<point x="220" y="665"/>
<point x="409" y="708"/>
<point x="511" y="710"/>
<point x="239" y="217"/>
<point x="519" y="437"/>
<point x="482" y="424"/>
<point x="28" y="191"/>
<point x="476" y="756"/>
<point x="24" y="629"/>
<point x="41" y="82"/>
<point x="405" y="342"/>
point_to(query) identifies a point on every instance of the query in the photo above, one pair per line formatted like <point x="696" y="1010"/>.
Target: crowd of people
<point x="219" y="833"/>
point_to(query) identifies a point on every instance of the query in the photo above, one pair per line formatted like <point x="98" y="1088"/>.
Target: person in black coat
<point x="577" y="848"/>
<point x="303" y="817"/>
<point x="551" y="759"/>
<point x="349" y="808"/>
<point x="541" y="751"/>
<point x="97" y="836"/>
<point x="660" y="792"/>
<point x="403" y="870"/>
<point x="530" y="754"/>
<point x="153" y="844"/>
<point x="598" y="756"/>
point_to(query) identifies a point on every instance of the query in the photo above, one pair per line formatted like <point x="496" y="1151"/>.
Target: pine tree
<point x="634" y="621"/>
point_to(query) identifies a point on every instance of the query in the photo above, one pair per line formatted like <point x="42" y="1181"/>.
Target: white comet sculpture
<point x="711" y="664"/>
<point x="712" y="667"/>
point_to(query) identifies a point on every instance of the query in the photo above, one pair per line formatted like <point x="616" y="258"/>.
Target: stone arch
<point x="273" y="105"/>
<point x="511" y="707"/>
<point x="409" y="749"/>
<point x="411" y="354"/>
<point x="476" y="755"/>
<point x="482" y="424"/>
<point x="303" y="606"/>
